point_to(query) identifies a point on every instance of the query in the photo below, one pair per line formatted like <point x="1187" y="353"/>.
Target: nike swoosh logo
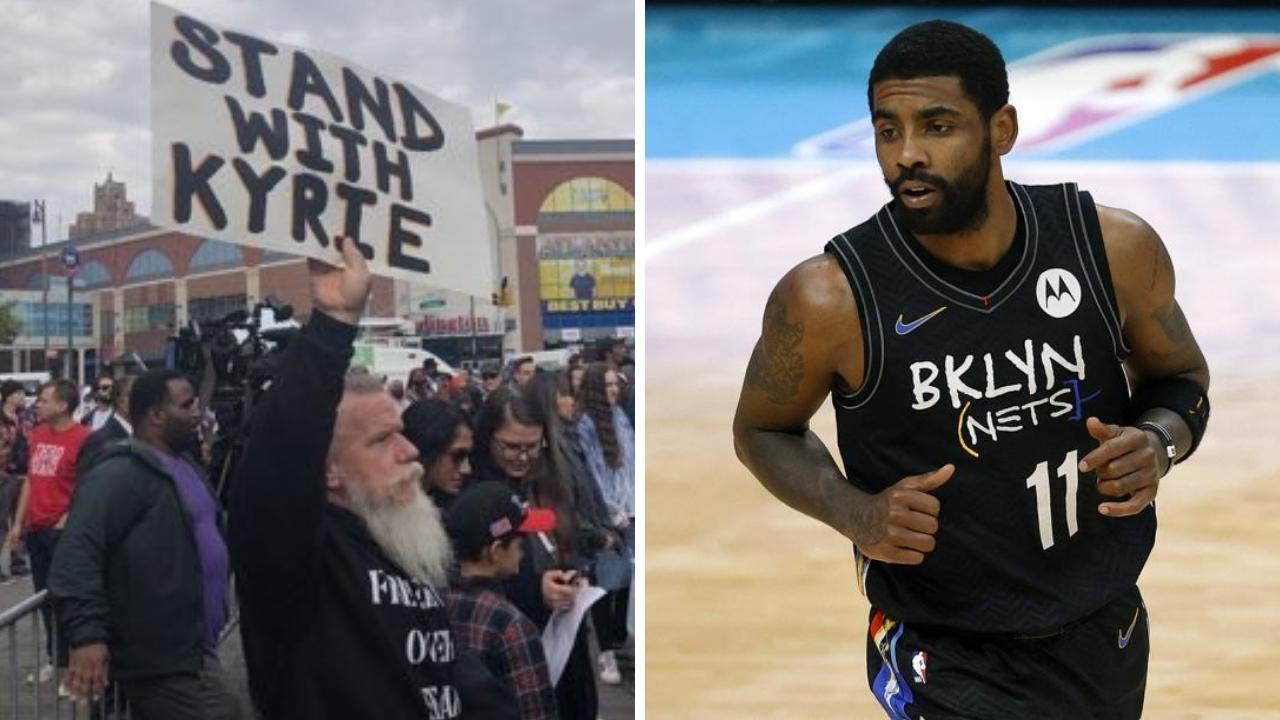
<point x="1123" y="637"/>
<point x="903" y="328"/>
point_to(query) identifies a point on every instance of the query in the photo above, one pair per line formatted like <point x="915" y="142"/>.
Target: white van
<point x="395" y="361"/>
<point x="389" y="349"/>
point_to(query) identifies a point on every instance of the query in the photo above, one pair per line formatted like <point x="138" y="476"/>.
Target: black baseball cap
<point x="488" y="511"/>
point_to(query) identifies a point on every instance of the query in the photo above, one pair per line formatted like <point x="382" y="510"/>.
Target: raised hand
<point x="1127" y="461"/>
<point x="341" y="292"/>
<point x="900" y="521"/>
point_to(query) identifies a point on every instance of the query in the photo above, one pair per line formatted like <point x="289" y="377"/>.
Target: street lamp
<point x="38" y="216"/>
<point x="70" y="261"/>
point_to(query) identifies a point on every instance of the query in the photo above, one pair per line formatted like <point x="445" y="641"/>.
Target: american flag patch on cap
<point x="500" y="527"/>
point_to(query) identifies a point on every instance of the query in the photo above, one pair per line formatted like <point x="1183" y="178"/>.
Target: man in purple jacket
<point x="140" y="578"/>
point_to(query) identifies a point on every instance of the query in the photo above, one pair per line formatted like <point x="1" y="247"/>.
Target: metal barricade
<point x="26" y="697"/>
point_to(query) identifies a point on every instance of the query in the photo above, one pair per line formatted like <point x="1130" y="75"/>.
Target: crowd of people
<point x="563" y="442"/>
<point x="398" y="549"/>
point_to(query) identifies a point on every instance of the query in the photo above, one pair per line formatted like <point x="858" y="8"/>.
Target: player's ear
<point x="1004" y="129"/>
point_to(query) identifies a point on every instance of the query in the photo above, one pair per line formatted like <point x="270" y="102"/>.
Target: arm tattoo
<point x="776" y="368"/>
<point x="1173" y="323"/>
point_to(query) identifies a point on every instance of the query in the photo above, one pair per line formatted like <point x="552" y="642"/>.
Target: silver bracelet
<point x="1170" y="449"/>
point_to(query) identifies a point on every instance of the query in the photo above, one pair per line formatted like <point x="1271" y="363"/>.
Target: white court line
<point x="716" y="225"/>
<point x="747" y="211"/>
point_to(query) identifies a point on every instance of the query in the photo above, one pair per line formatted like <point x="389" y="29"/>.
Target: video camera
<point x="238" y="355"/>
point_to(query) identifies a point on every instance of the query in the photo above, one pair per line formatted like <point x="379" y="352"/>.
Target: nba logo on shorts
<point x="1058" y="292"/>
<point x="918" y="663"/>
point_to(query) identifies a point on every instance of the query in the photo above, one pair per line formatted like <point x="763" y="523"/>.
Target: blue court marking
<point x="752" y="82"/>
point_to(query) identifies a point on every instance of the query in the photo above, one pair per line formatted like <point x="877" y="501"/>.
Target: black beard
<point x="180" y="442"/>
<point x="961" y="205"/>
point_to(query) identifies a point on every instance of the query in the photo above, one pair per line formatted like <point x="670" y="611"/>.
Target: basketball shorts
<point x="1095" y="668"/>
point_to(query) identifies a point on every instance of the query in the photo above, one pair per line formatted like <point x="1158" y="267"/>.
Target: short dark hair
<point x="115" y="387"/>
<point x="488" y="374"/>
<point x="515" y="364"/>
<point x="9" y="387"/>
<point x="945" y="49"/>
<point x="66" y="391"/>
<point x="467" y="552"/>
<point x="150" y="390"/>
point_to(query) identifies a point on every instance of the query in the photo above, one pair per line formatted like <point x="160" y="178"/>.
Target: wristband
<point x="1182" y="396"/>
<point x="1166" y="441"/>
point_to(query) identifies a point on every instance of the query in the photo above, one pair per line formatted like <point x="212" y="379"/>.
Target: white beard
<point x="411" y="534"/>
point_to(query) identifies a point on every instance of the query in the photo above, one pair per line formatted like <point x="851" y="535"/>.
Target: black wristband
<point x="1182" y="396"/>
<point x="1166" y="442"/>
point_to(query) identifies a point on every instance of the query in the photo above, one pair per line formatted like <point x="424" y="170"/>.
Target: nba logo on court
<point x="1058" y="292"/>
<point x="1080" y="90"/>
<point x="918" y="666"/>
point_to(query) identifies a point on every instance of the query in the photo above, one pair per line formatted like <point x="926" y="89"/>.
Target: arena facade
<point x="560" y="212"/>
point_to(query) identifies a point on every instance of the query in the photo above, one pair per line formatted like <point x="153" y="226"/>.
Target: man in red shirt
<point x="51" y="473"/>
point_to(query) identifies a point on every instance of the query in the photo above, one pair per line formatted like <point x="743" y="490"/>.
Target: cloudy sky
<point x="75" y="104"/>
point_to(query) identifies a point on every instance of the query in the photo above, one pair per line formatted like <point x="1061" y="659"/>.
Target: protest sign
<point x="261" y="143"/>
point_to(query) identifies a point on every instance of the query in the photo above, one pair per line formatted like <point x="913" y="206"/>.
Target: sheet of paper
<point x="557" y="638"/>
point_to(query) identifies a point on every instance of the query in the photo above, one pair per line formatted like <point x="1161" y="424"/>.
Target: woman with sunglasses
<point x="443" y="437"/>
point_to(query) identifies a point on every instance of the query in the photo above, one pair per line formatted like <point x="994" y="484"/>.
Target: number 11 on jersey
<point x="1039" y="481"/>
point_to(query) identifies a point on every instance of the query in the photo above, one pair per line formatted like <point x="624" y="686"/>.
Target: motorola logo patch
<point x="1058" y="292"/>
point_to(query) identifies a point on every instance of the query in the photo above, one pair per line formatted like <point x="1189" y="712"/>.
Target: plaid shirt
<point x="509" y="643"/>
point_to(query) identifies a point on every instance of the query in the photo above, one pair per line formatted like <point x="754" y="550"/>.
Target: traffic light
<point x="502" y="298"/>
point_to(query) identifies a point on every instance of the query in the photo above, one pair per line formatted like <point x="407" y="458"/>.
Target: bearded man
<point x="340" y="559"/>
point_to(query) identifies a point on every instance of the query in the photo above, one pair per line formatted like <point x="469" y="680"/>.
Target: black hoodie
<point x="332" y="628"/>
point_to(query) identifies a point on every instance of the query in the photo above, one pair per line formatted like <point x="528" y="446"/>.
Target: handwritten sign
<point x="265" y="144"/>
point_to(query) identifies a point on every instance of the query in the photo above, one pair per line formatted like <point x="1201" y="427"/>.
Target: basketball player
<point x="1012" y="378"/>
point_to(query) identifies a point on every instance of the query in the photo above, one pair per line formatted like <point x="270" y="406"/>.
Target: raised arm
<point x="809" y="343"/>
<point x="1165" y="364"/>
<point x="278" y="500"/>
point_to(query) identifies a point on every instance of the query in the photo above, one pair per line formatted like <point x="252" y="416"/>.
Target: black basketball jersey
<point x="998" y="382"/>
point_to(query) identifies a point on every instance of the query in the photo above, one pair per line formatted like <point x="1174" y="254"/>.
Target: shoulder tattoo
<point x="776" y="367"/>
<point x="1163" y="266"/>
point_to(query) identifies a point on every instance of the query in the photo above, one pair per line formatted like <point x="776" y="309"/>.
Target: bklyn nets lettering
<point x="1039" y="394"/>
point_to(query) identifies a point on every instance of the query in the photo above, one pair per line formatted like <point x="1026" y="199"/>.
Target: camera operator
<point x="340" y="558"/>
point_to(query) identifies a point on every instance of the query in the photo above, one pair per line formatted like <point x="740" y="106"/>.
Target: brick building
<point x="554" y="207"/>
